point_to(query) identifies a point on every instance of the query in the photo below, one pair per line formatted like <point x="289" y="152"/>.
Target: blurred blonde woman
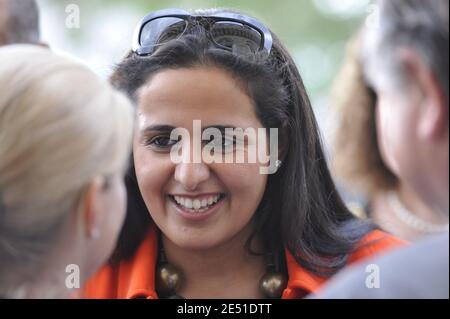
<point x="65" y="138"/>
<point x="363" y="165"/>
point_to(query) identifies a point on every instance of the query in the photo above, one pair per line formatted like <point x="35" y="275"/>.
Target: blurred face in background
<point x="406" y="62"/>
<point x="110" y="209"/>
<point x="412" y="129"/>
<point x="397" y="113"/>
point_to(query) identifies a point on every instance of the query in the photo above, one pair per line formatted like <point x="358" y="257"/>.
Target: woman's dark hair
<point x="301" y="209"/>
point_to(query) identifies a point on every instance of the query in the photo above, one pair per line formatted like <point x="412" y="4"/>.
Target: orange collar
<point x="135" y="278"/>
<point x="142" y="278"/>
<point x="301" y="281"/>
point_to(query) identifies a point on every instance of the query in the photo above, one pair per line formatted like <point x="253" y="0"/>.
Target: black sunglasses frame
<point x="147" y="49"/>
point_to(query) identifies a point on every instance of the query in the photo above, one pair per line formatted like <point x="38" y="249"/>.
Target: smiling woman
<point x="224" y="230"/>
<point x="178" y="97"/>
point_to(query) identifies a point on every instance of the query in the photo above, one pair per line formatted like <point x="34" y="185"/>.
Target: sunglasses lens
<point x="162" y="30"/>
<point x="236" y="37"/>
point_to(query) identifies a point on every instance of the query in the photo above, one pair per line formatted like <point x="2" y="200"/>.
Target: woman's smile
<point x="196" y="207"/>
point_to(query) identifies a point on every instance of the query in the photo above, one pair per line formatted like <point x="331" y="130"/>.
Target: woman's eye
<point x="226" y="144"/>
<point x="161" y="142"/>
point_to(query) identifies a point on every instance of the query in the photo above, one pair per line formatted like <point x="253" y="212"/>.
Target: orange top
<point x="135" y="278"/>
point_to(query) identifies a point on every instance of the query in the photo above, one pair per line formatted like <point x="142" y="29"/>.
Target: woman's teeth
<point x="196" y="204"/>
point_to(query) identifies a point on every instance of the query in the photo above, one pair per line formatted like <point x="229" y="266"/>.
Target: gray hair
<point x="415" y="24"/>
<point x="22" y="21"/>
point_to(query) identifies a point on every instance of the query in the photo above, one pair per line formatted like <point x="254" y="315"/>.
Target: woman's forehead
<point x="186" y="119"/>
<point x="208" y="94"/>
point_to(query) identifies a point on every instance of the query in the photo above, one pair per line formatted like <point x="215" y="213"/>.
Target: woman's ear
<point x="92" y="205"/>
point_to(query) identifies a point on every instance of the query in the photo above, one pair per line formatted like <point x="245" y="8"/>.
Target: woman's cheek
<point x="242" y="180"/>
<point x="148" y="172"/>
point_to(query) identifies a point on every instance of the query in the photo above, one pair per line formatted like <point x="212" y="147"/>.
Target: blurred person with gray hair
<point x="406" y="61"/>
<point x="362" y="166"/>
<point x="19" y="22"/>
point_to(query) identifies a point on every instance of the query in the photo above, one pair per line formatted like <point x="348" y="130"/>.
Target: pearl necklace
<point x="169" y="279"/>
<point x="410" y="219"/>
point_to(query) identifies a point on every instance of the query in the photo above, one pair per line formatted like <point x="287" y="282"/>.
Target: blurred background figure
<point x="63" y="153"/>
<point x="406" y="60"/>
<point x="19" y="22"/>
<point x="363" y="164"/>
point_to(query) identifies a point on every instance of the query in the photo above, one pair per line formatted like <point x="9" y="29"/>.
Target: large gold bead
<point x="168" y="279"/>
<point x="273" y="284"/>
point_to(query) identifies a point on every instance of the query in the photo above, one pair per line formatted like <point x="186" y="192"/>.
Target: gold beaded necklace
<point x="169" y="279"/>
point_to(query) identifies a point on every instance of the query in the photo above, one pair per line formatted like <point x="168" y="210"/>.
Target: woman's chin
<point x="194" y="242"/>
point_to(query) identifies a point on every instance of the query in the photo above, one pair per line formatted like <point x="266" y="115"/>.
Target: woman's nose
<point x="191" y="175"/>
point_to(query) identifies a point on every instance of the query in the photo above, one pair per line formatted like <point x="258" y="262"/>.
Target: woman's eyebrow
<point x="169" y="128"/>
<point x="220" y="127"/>
<point x="158" y="128"/>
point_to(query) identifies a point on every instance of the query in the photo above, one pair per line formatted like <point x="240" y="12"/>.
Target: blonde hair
<point x="60" y="127"/>
<point x="357" y="162"/>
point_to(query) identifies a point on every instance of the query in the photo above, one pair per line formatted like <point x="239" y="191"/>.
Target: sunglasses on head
<point x="229" y="31"/>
